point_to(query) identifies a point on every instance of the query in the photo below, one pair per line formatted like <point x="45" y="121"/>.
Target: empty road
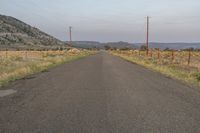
<point x="100" y="94"/>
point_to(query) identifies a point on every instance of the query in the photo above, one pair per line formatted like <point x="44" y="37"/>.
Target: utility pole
<point x="70" y="35"/>
<point x="147" y="38"/>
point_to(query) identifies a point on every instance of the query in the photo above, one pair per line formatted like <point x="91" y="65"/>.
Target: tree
<point x="143" y="47"/>
<point x="188" y="49"/>
<point x="167" y="49"/>
<point x="114" y="48"/>
<point x="107" y="47"/>
<point x="125" y="48"/>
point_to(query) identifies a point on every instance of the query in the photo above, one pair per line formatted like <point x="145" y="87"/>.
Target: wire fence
<point x="186" y="59"/>
<point x="32" y="55"/>
<point x="24" y="53"/>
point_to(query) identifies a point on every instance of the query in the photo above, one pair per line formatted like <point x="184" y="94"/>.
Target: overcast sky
<point x="110" y="20"/>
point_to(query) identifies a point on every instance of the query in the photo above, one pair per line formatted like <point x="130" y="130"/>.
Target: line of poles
<point x="147" y="36"/>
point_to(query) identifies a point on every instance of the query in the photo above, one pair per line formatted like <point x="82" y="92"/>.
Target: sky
<point x="110" y="20"/>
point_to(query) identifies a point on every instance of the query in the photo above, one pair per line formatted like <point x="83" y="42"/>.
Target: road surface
<point x="100" y="94"/>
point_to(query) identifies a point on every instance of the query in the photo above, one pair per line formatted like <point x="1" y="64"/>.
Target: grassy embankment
<point x="18" y="64"/>
<point x="173" y="65"/>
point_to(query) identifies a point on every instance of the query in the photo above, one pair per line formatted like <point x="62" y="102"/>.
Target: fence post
<point x="6" y="53"/>
<point x="26" y="54"/>
<point x="151" y="53"/>
<point x="189" y="57"/>
<point x="172" y="55"/>
<point x="159" y="55"/>
<point x="147" y="52"/>
<point x="139" y="52"/>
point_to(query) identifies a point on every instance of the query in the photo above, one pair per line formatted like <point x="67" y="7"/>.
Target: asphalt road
<point x="100" y="94"/>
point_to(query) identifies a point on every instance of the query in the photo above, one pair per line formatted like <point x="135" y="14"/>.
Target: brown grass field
<point x="18" y="64"/>
<point x="182" y="65"/>
<point x="167" y="57"/>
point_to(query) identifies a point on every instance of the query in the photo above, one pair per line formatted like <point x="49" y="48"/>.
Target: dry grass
<point x="18" y="64"/>
<point x="176" y="67"/>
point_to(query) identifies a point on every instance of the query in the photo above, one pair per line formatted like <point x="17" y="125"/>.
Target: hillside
<point x="93" y="44"/>
<point x="15" y="34"/>
<point x="86" y="44"/>
<point x="120" y="45"/>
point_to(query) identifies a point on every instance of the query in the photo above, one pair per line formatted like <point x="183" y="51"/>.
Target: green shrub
<point x="17" y="58"/>
<point x="197" y="76"/>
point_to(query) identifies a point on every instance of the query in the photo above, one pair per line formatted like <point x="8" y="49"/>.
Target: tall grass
<point x="18" y="64"/>
<point x="177" y="68"/>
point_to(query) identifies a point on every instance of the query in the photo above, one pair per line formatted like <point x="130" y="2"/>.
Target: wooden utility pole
<point x="70" y="35"/>
<point x="147" y="37"/>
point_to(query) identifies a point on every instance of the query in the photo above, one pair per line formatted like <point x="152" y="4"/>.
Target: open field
<point x="182" y="65"/>
<point x="18" y="64"/>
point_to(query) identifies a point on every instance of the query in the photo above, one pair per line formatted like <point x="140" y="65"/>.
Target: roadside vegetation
<point x="18" y="64"/>
<point x="182" y="65"/>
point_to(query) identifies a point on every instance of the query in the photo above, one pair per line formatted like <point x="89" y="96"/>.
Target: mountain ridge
<point x="16" y="34"/>
<point x="121" y="44"/>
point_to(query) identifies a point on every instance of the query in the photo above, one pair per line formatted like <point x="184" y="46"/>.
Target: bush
<point x="17" y="58"/>
<point x="197" y="75"/>
<point x="107" y="47"/>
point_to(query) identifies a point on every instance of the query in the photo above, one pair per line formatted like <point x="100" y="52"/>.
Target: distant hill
<point x="86" y="44"/>
<point x="15" y="34"/>
<point x="119" y="45"/>
<point x="93" y="44"/>
<point x="172" y="45"/>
